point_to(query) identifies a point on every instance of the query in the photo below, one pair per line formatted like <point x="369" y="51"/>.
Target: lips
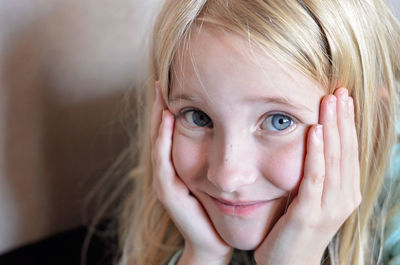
<point x="239" y="208"/>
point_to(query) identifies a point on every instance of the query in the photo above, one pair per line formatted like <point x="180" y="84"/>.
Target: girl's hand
<point x="202" y="243"/>
<point x="328" y="193"/>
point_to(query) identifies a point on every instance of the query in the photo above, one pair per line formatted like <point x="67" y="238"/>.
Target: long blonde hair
<point x="354" y="44"/>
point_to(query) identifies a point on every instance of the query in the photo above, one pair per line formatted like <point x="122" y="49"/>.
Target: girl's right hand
<point x="202" y="243"/>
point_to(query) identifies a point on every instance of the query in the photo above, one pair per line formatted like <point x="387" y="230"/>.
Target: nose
<point x="232" y="164"/>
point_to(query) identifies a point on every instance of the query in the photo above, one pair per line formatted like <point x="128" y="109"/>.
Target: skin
<point x="306" y="176"/>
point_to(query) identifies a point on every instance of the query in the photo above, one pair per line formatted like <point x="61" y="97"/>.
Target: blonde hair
<point x="353" y="44"/>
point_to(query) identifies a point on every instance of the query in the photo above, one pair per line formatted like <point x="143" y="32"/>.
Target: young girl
<point x="268" y="130"/>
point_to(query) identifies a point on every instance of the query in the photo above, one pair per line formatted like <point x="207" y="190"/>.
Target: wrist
<point x="292" y="248"/>
<point x="292" y="259"/>
<point x="190" y="256"/>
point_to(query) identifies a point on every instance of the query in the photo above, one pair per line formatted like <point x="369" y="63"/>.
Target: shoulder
<point x="391" y="242"/>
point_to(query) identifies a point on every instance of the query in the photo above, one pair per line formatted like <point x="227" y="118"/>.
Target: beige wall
<point x="64" y="66"/>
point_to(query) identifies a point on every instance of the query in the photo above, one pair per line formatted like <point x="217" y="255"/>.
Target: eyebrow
<point x="277" y="100"/>
<point x="281" y="101"/>
<point x="184" y="97"/>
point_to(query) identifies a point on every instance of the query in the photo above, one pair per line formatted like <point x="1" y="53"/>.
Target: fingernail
<point x="318" y="133"/>
<point x="166" y="112"/>
<point x="350" y="106"/>
<point x="332" y="105"/>
<point x="344" y="95"/>
<point x="344" y="98"/>
<point x="164" y="120"/>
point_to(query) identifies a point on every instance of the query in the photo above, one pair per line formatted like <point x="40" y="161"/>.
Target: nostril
<point x="230" y="179"/>
<point x="231" y="165"/>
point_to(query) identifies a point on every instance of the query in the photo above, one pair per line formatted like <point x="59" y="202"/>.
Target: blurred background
<point x="65" y="66"/>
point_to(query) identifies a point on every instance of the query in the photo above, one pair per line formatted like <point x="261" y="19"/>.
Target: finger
<point x="156" y="114"/>
<point x="345" y="126"/>
<point x="331" y="138"/>
<point x="162" y="153"/>
<point x="165" y="137"/>
<point x="357" y="187"/>
<point x="311" y="187"/>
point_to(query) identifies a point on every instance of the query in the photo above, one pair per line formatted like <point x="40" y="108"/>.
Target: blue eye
<point x="277" y="122"/>
<point x="198" y="118"/>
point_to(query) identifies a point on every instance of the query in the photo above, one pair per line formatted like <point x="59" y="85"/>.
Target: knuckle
<point x="305" y="216"/>
<point x="317" y="178"/>
<point x="160" y="191"/>
<point x="332" y="159"/>
<point x="358" y="199"/>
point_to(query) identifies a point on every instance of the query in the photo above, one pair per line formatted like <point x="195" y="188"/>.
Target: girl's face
<point x="240" y="131"/>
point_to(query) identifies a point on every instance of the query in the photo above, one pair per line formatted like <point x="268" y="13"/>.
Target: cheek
<point x="285" y="164"/>
<point x="188" y="157"/>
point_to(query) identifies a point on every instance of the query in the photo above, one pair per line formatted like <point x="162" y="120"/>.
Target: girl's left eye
<point x="277" y="122"/>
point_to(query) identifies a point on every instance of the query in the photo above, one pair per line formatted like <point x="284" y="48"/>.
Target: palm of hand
<point x="202" y="242"/>
<point x="328" y="193"/>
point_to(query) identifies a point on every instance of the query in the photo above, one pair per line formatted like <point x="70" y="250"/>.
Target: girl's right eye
<point x="197" y="118"/>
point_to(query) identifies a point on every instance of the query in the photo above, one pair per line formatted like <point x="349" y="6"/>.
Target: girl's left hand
<point x="328" y="193"/>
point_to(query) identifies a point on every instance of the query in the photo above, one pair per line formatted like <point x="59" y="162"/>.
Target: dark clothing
<point x="62" y="249"/>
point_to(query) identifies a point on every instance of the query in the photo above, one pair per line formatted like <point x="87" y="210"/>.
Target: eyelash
<point x="183" y="112"/>
<point x="293" y="120"/>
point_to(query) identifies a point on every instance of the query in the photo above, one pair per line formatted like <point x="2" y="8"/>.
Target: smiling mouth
<point x="239" y="208"/>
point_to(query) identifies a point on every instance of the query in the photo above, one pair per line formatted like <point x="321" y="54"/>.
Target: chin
<point x="242" y="240"/>
<point x="245" y="246"/>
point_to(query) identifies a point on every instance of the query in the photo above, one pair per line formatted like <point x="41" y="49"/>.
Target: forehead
<point x="213" y="60"/>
